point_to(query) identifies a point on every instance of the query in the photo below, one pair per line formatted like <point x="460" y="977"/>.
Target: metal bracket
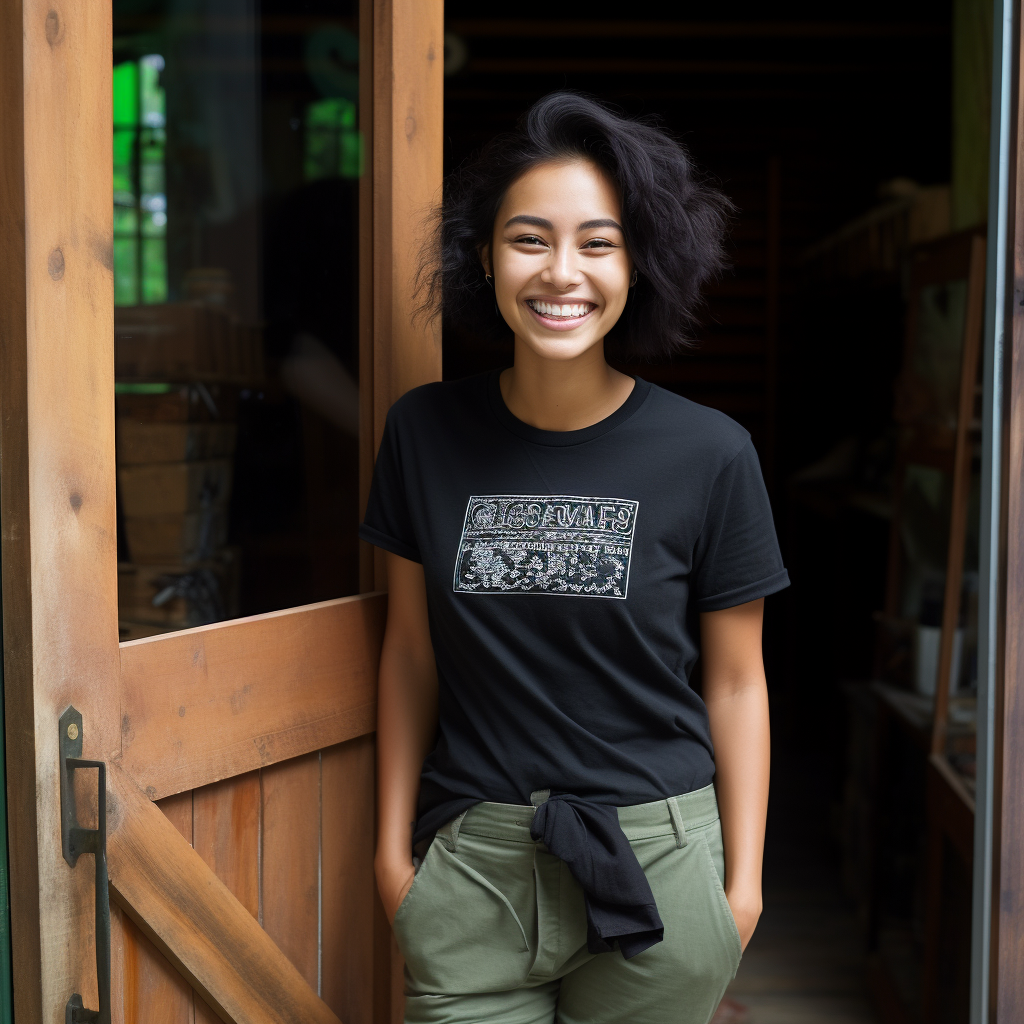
<point x="75" y="841"/>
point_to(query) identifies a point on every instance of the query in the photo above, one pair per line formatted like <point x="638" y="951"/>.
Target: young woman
<point x="567" y="831"/>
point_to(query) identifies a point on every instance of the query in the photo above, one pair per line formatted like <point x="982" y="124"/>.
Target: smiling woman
<point x="672" y="221"/>
<point x="564" y="541"/>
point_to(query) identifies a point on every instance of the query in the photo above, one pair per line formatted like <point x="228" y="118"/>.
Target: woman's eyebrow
<point x="607" y="223"/>
<point x="536" y="222"/>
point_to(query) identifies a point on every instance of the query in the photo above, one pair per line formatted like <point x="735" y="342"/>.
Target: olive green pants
<point x="494" y="927"/>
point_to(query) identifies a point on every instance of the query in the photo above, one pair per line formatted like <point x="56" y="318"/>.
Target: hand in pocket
<point x="393" y="884"/>
<point x="746" y="910"/>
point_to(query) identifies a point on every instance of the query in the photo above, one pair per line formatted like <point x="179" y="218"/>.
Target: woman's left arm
<point x="736" y="697"/>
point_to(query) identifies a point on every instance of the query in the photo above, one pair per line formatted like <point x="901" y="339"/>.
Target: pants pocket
<point x="731" y="933"/>
<point x="456" y="929"/>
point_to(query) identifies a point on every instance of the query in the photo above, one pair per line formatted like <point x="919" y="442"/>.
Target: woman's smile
<point x="563" y="315"/>
<point x="558" y="260"/>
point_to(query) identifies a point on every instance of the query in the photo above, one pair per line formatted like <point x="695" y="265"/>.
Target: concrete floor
<point x="806" y="962"/>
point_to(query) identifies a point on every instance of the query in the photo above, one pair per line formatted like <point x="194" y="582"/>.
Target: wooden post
<point x="408" y="77"/>
<point x="397" y="352"/>
<point x="57" y="456"/>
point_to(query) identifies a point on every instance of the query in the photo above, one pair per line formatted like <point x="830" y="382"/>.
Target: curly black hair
<point x="673" y="220"/>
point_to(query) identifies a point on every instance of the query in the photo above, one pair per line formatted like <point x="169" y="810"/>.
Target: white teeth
<point x="556" y="309"/>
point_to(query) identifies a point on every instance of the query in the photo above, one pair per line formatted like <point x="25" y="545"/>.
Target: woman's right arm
<point x="406" y="726"/>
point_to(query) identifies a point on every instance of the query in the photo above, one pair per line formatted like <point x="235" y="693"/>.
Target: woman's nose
<point x="562" y="271"/>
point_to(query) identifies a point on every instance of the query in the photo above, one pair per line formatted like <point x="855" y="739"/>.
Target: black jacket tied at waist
<point x="618" y="897"/>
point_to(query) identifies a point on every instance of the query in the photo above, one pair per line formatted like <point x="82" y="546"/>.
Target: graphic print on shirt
<point x="546" y="544"/>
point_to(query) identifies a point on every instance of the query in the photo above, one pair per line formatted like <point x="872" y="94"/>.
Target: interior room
<point x="855" y="148"/>
<point x="853" y="143"/>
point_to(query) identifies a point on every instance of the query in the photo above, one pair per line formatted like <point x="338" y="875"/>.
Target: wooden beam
<point x="408" y="111"/>
<point x="170" y="893"/>
<point x="367" y="240"/>
<point x="56" y="465"/>
<point x="208" y="703"/>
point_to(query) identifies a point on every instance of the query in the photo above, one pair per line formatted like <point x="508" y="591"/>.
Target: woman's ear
<point x="485" y="257"/>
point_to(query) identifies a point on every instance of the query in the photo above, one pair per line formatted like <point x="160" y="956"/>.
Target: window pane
<point x="237" y="157"/>
<point x="126" y="281"/>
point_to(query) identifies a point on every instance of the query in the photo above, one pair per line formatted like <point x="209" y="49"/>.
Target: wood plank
<point x="209" y="703"/>
<point x="226" y="834"/>
<point x="153" y="991"/>
<point x="226" y="820"/>
<point x="56" y="465"/>
<point x="408" y="109"/>
<point x="117" y="976"/>
<point x="408" y="92"/>
<point x="347" y="907"/>
<point x="290" y="868"/>
<point x="173" y="896"/>
<point x="367" y="436"/>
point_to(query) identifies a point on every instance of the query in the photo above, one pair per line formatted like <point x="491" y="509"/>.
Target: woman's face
<point x="559" y="260"/>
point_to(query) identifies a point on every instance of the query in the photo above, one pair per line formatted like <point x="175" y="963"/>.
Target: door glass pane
<point x="237" y="158"/>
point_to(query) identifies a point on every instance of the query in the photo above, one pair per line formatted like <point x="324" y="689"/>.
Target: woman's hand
<point x="746" y="910"/>
<point x="393" y="883"/>
<point x="406" y="726"/>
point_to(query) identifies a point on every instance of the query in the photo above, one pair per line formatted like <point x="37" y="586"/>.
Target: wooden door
<point x="239" y="755"/>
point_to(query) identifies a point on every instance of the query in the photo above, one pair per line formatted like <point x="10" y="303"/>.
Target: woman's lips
<point x="562" y="323"/>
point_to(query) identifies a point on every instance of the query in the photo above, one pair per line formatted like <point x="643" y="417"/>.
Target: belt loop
<point x="677" y="821"/>
<point x="449" y="834"/>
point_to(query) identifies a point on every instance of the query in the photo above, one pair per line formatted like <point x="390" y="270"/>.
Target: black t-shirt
<point x="565" y="573"/>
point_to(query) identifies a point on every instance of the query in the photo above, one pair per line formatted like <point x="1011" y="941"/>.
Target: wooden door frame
<point x="57" y="509"/>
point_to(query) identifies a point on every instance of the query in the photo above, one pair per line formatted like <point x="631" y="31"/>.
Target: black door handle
<point x="77" y="840"/>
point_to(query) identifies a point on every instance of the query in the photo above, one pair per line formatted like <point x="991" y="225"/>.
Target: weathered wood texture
<point x="291" y="862"/>
<point x="57" y="475"/>
<point x="209" y="703"/>
<point x="1008" y="899"/>
<point x="349" y="891"/>
<point x="151" y="989"/>
<point x="408" y="106"/>
<point x="367" y="442"/>
<point x="226" y="820"/>
<point x="408" y="59"/>
<point x="192" y="917"/>
<point x="293" y="843"/>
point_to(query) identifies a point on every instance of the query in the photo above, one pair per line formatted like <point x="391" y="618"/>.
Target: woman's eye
<point x="529" y="240"/>
<point x="598" y="243"/>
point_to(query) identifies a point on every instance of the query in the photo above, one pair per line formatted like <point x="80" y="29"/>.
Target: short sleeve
<point x="388" y="523"/>
<point x="737" y="557"/>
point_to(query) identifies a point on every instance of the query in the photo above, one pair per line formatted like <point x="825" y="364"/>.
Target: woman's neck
<point x="563" y="394"/>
